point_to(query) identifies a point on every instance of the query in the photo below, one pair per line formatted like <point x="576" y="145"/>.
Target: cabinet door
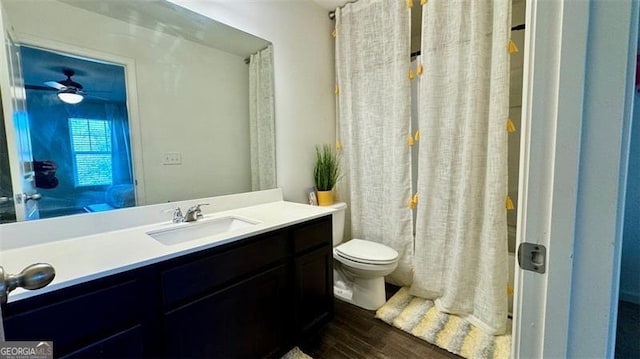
<point x="314" y="276"/>
<point x="250" y="319"/>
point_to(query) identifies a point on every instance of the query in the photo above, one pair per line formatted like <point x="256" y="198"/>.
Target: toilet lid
<point x="367" y="252"/>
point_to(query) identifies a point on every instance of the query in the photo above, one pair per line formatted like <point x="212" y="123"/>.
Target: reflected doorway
<point x="7" y="211"/>
<point x="81" y="150"/>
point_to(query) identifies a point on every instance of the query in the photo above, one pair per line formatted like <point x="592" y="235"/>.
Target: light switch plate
<point x="172" y="158"/>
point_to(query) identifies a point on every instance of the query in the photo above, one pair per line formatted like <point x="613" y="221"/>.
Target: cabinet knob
<point x="32" y="277"/>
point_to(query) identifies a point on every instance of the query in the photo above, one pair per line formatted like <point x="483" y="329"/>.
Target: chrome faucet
<point x="194" y="213"/>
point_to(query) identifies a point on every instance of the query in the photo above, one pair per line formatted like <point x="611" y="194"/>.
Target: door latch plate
<point x="532" y="257"/>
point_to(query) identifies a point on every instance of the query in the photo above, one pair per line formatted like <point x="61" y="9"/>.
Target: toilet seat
<point x="367" y="252"/>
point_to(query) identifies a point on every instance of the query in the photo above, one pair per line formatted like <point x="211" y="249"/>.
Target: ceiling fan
<point x="69" y="91"/>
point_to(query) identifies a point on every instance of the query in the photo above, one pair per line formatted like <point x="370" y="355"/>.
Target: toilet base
<point x="367" y="293"/>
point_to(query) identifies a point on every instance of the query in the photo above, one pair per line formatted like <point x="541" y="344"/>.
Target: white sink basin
<point x="185" y="232"/>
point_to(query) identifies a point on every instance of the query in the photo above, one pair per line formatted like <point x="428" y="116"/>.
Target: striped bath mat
<point x="296" y="353"/>
<point x="419" y="317"/>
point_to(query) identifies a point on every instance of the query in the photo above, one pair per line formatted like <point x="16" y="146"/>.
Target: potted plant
<point x="326" y="173"/>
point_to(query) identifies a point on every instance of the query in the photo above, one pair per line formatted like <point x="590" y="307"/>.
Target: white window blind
<point x="91" y="147"/>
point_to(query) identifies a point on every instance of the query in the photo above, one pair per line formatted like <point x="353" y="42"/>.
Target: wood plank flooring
<point x="354" y="333"/>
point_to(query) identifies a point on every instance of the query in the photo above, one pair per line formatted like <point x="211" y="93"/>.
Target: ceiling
<point x="176" y="21"/>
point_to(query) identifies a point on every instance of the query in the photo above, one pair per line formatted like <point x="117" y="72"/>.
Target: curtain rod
<point x="332" y="16"/>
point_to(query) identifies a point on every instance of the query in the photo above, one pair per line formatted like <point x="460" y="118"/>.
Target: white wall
<point x="191" y="98"/>
<point x="602" y="176"/>
<point x="304" y="77"/>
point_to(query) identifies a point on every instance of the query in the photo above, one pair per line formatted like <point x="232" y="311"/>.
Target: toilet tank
<point x="338" y="222"/>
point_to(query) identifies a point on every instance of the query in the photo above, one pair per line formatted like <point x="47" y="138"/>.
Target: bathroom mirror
<point x="166" y="89"/>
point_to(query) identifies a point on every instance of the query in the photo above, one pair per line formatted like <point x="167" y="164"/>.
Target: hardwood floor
<point x="354" y="333"/>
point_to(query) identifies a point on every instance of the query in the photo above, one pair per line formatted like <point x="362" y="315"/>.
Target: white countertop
<point x="81" y="259"/>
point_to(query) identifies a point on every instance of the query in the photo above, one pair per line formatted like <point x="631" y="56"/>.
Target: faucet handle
<point x="198" y="210"/>
<point x="194" y="212"/>
<point x="177" y="214"/>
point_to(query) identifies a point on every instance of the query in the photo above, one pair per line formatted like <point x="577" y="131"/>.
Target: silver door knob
<point x="32" y="277"/>
<point x="34" y="196"/>
<point x="4" y="200"/>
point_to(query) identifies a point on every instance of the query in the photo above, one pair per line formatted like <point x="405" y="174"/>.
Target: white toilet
<point x="360" y="266"/>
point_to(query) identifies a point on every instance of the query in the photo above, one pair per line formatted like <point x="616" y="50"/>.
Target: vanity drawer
<point x="201" y="276"/>
<point x="312" y="235"/>
<point x="125" y="344"/>
<point x="78" y="320"/>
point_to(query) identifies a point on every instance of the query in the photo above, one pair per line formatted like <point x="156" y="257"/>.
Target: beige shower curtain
<point x="374" y="99"/>
<point x="262" y="120"/>
<point x="461" y="230"/>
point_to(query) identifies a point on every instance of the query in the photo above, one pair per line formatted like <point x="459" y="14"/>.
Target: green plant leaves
<point x="327" y="168"/>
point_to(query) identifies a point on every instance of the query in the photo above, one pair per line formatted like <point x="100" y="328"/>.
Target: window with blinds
<point x="92" y="151"/>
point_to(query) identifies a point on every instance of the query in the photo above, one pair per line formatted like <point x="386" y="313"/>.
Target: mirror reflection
<point x="129" y="103"/>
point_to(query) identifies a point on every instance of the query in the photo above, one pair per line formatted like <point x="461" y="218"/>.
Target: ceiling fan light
<point x="70" y="96"/>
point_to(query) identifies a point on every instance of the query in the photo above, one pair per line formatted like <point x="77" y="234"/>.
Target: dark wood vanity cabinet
<point x="313" y="277"/>
<point x="252" y="298"/>
<point x="93" y="319"/>
<point x="246" y="320"/>
<point x="238" y="307"/>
